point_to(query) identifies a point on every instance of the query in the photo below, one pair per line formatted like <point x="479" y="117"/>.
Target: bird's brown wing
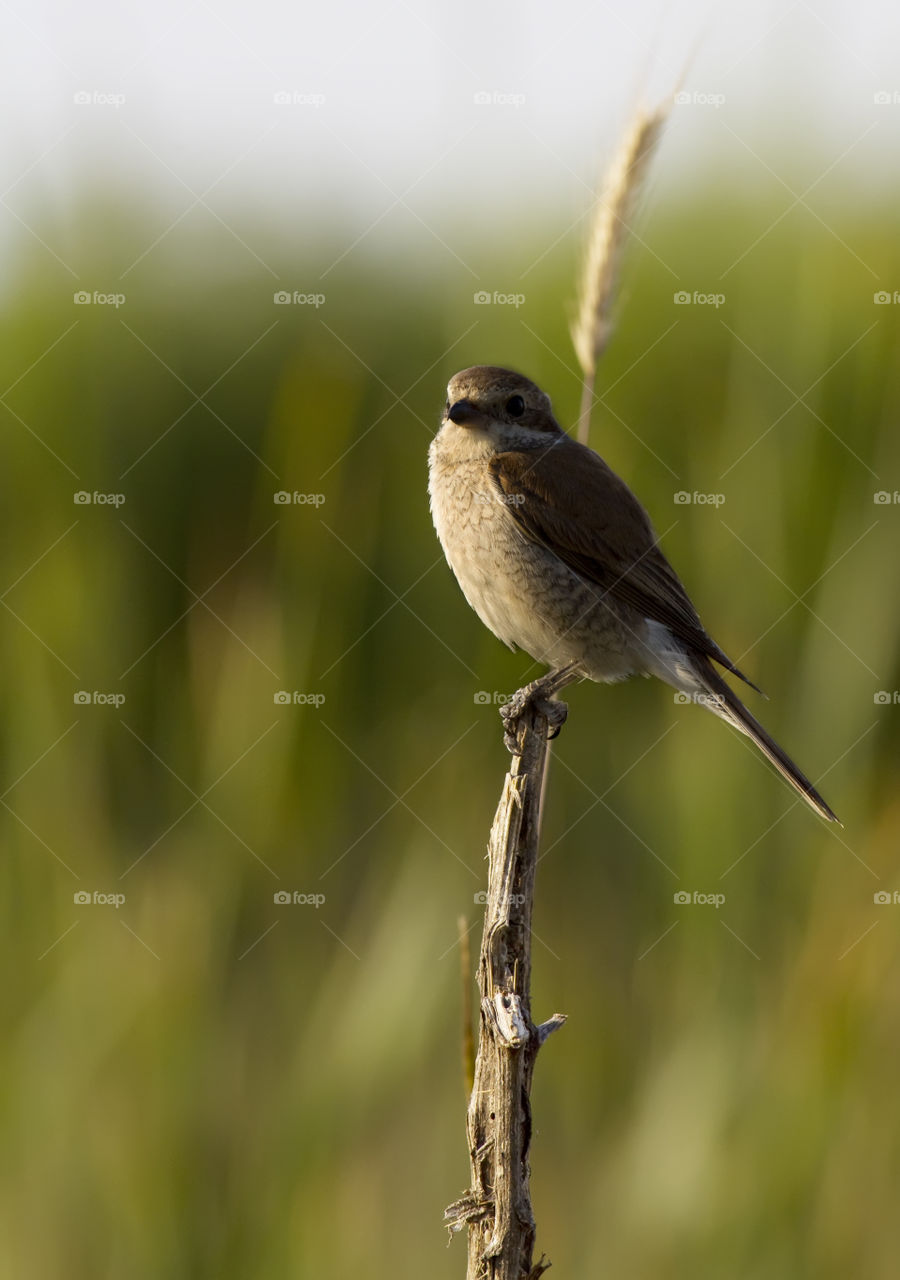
<point x="579" y="509"/>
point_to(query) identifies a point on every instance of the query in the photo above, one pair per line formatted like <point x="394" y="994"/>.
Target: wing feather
<point x="579" y="509"/>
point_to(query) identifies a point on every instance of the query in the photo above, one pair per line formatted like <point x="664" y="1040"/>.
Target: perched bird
<point x="557" y="557"/>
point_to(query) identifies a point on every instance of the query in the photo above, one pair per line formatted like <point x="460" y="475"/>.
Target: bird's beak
<point x="466" y="414"/>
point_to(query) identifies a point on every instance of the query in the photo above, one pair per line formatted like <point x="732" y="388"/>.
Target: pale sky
<point x="298" y="109"/>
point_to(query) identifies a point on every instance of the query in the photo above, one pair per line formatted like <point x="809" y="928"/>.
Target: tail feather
<point x="729" y="706"/>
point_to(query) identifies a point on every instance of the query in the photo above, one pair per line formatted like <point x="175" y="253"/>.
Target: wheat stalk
<point x="615" y="207"/>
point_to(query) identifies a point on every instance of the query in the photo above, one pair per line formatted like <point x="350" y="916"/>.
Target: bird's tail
<point x="724" y="702"/>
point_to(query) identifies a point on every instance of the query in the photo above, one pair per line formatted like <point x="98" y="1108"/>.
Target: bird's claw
<point x="531" y="696"/>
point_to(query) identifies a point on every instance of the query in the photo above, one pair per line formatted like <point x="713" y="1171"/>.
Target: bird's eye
<point x="515" y="406"/>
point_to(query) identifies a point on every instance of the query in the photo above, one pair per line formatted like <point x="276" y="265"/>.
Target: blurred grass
<point x="202" y="1082"/>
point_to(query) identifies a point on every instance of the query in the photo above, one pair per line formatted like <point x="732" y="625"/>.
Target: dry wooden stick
<point x="497" y="1208"/>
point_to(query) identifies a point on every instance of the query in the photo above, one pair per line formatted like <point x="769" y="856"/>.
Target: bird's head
<point x="501" y="406"/>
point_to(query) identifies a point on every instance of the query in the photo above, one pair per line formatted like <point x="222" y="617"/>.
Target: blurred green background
<point x="202" y="1081"/>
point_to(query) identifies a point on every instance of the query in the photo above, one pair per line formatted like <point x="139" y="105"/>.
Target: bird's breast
<point x="524" y="593"/>
<point x="481" y="541"/>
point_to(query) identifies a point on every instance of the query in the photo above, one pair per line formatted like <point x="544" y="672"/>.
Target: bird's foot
<point x="539" y="696"/>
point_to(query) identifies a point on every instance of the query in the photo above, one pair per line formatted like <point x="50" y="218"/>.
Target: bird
<point x="558" y="558"/>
